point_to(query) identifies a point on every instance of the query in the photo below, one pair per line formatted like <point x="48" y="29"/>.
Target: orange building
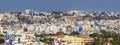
<point x="59" y="35"/>
<point x="86" y="40"/>
<point x="45" y="43"/>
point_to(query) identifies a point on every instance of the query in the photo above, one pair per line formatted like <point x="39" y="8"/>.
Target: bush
<point x="2" y="40"/>
<point x="48" y="40"/>
<point x="74" y="33"/>
<point x="1" y="35"/>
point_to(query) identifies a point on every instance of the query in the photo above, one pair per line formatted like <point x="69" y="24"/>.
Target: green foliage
<point x="48" y="40"/>
<point x="96" y="43"/>
<point x="1" y="35"/>
<point x="65" y="34"/>
<point x="41" y="35"/>
<point x="103" y="36"/>
<point x="94" y="35"/>
<point x="74" y="33"/>
<point x="62" y="33"/>
<point x="2" y="40"/>
<point x="4" y="32"/>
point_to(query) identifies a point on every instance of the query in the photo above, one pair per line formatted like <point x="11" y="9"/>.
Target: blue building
<point x="80" y="29"/>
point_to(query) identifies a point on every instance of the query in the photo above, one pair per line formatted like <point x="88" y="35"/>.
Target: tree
<point x="94" y="35"/>
<point x="60" y="33"/>
<point x="1" y="35"/>
<point x="47" y="40"/>
<point x="4" y="32"/>
<point x="104" y="38"/>
<point x="2" y="40"/>
<point x="74" y="33"/>
<point x="97" y="39"/>
<point x="41" y="35"/>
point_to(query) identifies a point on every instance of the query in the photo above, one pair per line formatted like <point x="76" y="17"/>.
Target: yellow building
<point x="77" y="40"/>
<point x="28" y="43"/>
<point x="88" y="28"/>
<point x="72" y="40"/>
<point x="26" y="36"/>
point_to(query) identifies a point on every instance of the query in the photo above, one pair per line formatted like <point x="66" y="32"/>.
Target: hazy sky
<point x="61" y="5"/>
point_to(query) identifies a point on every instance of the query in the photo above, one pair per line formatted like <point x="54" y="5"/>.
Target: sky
<point x="59" y="5"/>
